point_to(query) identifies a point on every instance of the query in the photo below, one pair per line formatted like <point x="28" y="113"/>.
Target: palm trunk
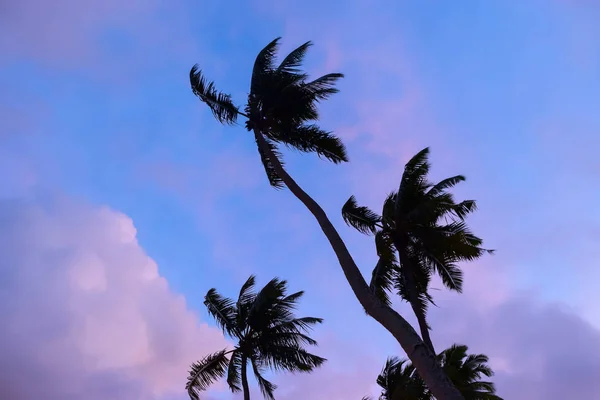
<point x="244" y="374"/>
<point x="422" y="358"/>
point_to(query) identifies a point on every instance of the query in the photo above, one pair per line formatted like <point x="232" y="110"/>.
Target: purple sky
<point x="122" y="201"/>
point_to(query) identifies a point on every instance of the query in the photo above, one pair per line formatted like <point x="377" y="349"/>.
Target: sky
<point x="122" y="201"/>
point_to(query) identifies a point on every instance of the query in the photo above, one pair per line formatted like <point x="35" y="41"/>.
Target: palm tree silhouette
<point x="400" y="381"/>
<point x="282" y="109"/>
<point x="268" y="336"/>
<point x="424" y="225"/>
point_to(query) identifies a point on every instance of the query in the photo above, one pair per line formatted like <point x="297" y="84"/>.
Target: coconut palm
<point x="465" y="371"/>
<point x="424" y="226"/>
<point x="268" y="336"/>
<point x="400" y="381"/>
<point x="281" y="108"/>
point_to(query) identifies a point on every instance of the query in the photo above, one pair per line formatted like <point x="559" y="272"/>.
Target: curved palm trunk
<point x="244" y="374"/>
<point x="422" y="358"/>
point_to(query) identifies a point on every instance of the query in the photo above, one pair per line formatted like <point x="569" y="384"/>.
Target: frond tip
<point x="219" y="103"/>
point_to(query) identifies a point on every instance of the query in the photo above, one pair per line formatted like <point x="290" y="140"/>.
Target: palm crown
<point x="400" y="381"/>
<point x="466" y="370"/>
<point x="268" y="336"/>
<point x="281" y="107"/>
<point x="424" y="225"/>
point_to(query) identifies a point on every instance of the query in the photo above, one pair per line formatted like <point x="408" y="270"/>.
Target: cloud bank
<point x="85" y="311"/>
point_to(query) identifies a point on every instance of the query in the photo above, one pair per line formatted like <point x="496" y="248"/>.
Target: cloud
<point x="538" y="350"/>
<point x="85" y="311"/>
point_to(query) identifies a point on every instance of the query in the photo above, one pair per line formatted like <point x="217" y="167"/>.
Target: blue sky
<point x="97" y="111"/>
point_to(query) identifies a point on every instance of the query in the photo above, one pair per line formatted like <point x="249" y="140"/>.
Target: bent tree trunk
<point x="422" y="358"/>
<point x="244" y="374"/>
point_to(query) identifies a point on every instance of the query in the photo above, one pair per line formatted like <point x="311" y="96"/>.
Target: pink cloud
<point x="85" y="310"/>
<point x="538" y="350"/>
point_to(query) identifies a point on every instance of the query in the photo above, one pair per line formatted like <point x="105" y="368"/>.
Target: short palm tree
<point x="281" y="108"/>
<point x="424" y="226"/>
<point x="400" y="381"/>
<point x="466" y="370"/>
<point x="268" y="336"/>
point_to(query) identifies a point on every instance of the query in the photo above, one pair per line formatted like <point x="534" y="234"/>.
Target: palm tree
<point x="400" y="381"/>
<point x="424" y="225"/>
<point x="268" y="336"/>
<point x="282" y="109"/>
<point x="466" y="370"/>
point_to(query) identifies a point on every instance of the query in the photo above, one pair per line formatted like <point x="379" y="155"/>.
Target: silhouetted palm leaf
<point x="219" y="103"/>
<point x="360" y="218"/>
<point x="222" y="310"/>
<point x="205" y="372"/>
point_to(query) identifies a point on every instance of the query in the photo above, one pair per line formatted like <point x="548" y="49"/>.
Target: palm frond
<point x="445" y="184"/>
<point x="205" y="372"/>
<point x="399" y="380"/>
<point x="323" y="87"/>
<point x="382" y="281"/>
<point x="360" y="218"/>
<point x="234" y="378"/>
<point x="289" y="302"/>
<point x="413" y="183"/>
<point x="292" y="332"/>
<point x="264" y="64"/>
<point x="466" y="370"/>
<point x="303" y="324"/>
<point x="268" y="162"/>
<point x="290" y="358"/>
<point x="245" y="300"/>
<point x="246" y="294"/>
<point x="312" y="139"/>
<point x="418" y="165"/>
<point x="266" y="388"/>
<point x="219" y="103"/>
<point x="386" y="269"/>
<point x="451" y="274"/>
<point x="222" y="309"/>
<point x="294" y="60"/>
<point x="388" y="212"/>
<point x="264" y="311"/>
<point x="462" y="209"/>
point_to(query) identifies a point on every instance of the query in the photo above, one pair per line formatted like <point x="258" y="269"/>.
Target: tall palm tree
<point x="282" y="109"/>
<point x="268" y="336"/>
<point x="424" y="225"/>
<point x="400" y="381"/>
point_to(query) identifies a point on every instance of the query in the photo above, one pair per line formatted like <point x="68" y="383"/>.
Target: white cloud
<point x="85" y="311"/>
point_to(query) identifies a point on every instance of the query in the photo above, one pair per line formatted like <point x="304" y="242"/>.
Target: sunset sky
<point x="122" y="201"/>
